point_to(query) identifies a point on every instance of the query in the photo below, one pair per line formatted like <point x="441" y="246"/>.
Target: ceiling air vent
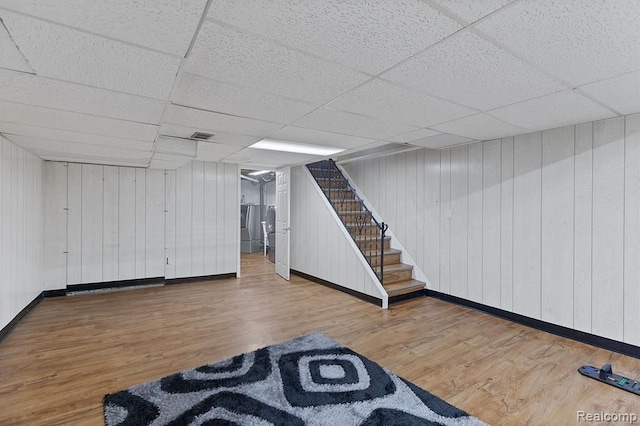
<point x="201" y="136"/>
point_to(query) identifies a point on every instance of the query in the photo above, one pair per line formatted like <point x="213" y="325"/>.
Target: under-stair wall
<point x="320" y="246"/>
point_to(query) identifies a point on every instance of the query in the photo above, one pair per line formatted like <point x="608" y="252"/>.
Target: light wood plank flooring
<point x="68" y="352"/>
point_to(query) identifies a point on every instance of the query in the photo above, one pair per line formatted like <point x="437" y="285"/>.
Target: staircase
<point x="367" y="232"/>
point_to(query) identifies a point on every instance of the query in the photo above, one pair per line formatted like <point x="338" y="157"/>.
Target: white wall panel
<point x="126" y="223"/>
<point x="210" y="213"/>
<point x="154" y="223"/>
<point x="429" y="240"/>
<point x="141" y="223"/>
<point x="445" y="221"/>
<point x="55" y="225"/>
<point x="184" y="208"/>
<point x="459" y="220"/>
<point x="231" y="218"/>
<point x="582" y="256"/>
<point x="110" y="231"/>
<point x="197" y="228"/>
<point x="170" y="224"/>
<point x="506" y="225"/>
<point x="558" y="225"/>
<point x="491" y="168"/>
<point x="474" y="222"/>
<point x="92" y="217"/>
<point x="74" y="224"/>
<point x="632" y="231"/>
<point x="220" y="211"/>
<point x="527" y="224"/>
<point x="608" y="228"/>
<point x="6" y="313"/>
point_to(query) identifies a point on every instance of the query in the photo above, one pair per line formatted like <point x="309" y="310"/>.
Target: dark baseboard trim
<point x="412" y="295"/>
<point x="54" y="293"/>
<point x="7" y="329"/>
<point x="114" y="284"/>
<point x="188" y="280"/>
<point x="558" y="330"/>
<point x="356" y="294"/>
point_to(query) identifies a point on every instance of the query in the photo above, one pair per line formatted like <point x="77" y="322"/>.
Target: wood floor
<point x="69" y="351"/>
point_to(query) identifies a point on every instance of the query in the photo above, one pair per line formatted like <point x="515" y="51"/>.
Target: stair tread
<point x="361" y="238"/>
<point x="395" y="267"/>
<point x="387" y="251"/>
<point x="404" y="284"/>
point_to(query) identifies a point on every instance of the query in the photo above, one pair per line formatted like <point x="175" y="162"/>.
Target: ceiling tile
<point x="83" y="123"/>
<point x="222" y="137"/>
<point x="621" y="93"/>
<point x="318" y="137"/>
<point x="70" y="55"/>
<point x="413" y="136"/>
<point x="228" y="55"/>
<point x="471" y="11"/>
<point x="369" y="36"/>
<point x="214" y="122"/>
<point x="352" y="124"/>
<point x="30" y="89"/>
<point x="164" y="25"/>
<point x="215" y="151"/>
<point x="212" y="95"/>
<point x="580" y="41"/>
<point x="175" y="146"/>
<point x="441" y="141"/>
<point x="481" y="127"/>
<point x="167" y="164"/>
<point x="556" y="110"/>
<point x="465" y="69"/>
<point x="11" y="57"/>
<point x="268" y="159"/>
<point x="385" y="100"/>
<point x="69" y="136"/>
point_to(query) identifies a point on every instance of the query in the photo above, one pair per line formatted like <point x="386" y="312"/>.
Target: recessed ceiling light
<point x="261" y="172"/>
<point x="298" y="148"/>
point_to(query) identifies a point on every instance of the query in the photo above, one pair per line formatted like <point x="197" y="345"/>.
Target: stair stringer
<point x="366" y="282"/>
<point x="405" y="257"/>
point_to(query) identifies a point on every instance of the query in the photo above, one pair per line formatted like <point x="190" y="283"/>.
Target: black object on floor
<point x="606" y="375"/>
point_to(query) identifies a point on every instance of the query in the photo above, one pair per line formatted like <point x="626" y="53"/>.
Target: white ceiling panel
<point x="215" y="151"/>
<point x="413" y="136"/>
<point x="30" y="89"/>
<point x="319" y="137"/>
<point x="175" y="146"/>
<point x="465" y="69"/>
<point x="228" y="55"/>
<point x="67" y="54"/>
<point x="557" y="110"/>
<point x="385" y="100"/>
<point x="164" y="25"/>
<point x="222" y="137"/>
<point x="352" y="124"/>
<point x="471" y="11"/>
<point x="441" y="141"/>
<point x="79" y="151"/>
<point x="580" y="41"/>
<point x="212" y="95"/>
<point x="268" y="159"/>
<point x="167" y="164"/>
<point x="72" y="121"/>
<point x="367" y="36"/>
<point x="621" y="93"/>
<point x="213" y="122"/>
<point x="69" y="136"/>
<point x="11" y="57"/>
<point x="481" y="127"/>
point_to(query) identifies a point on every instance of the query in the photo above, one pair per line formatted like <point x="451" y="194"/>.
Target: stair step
<point x="369" y="229"/>
<point x="397" y="272"/>
<point x="404" y="287"/>
<point x="391" y="257"/>
<point x="368" y="243"/>
<point x="348" y="205"/>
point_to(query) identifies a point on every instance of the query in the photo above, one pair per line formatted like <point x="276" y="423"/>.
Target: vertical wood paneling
<point x="583" y="164"/>
<point x="527" y="224"/>
<point x="430" y="239"/>
<point x="402" y="185"/>
<point x="231" y="218"/>
<point x="411" y="230"/>
<point x="141" y="225"/>
<point x="5" y="220"/>
<point x="557" y="225"/>
<point x="474" y="223"/>
<point x="491" y="232"/>
<point x="184" y="182"/>
<point x="632" y="231"/>
<point x="197" y="227"/>
<point x="445" y="221"/>
<point x="608" y="228"/>
<point x="459" y="220"/>
<point x="422" y="213"/>
<point x="506" y="225"/>
<point x="170" y="224"/>
<point x="55" y="225"/>
<point x="154" y="223"/>
<point x="92" y="217"/>
<point x="126" y="223"/>
<point x="220" y="190"/>
<point x="210" y="214"/>
<point x="74" y="224"/>
<point x="110" y="230"/>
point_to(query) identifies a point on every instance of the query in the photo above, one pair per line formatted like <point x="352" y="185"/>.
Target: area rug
<point x="310" y="380"/>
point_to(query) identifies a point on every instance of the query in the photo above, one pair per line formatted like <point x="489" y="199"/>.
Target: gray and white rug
<point x="310" y="380"/>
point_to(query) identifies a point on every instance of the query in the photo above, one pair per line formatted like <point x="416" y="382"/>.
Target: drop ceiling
<point x="128" y="83"/>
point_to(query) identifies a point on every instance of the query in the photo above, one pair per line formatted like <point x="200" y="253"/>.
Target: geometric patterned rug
<point x="310" y="380"/>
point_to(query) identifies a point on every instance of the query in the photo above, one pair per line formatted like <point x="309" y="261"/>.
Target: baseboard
<point x="6" y="330"/>
<point x="412" y="295"/>
<point x="356" y="294"/>
<point x="188" y="280"/>
<point x="115" y="284"/>
<point x="54" y="293"/>
<point x="558" y="330"/>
